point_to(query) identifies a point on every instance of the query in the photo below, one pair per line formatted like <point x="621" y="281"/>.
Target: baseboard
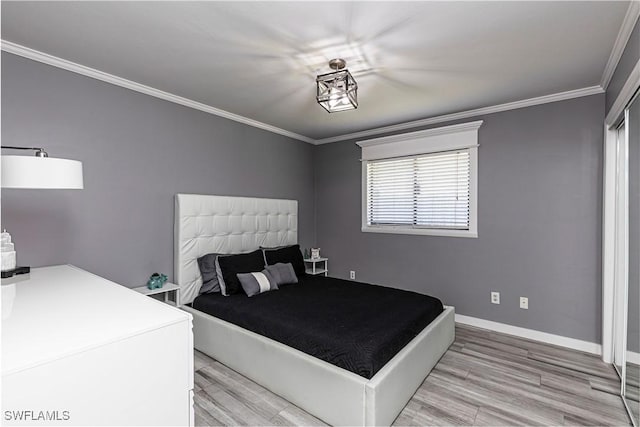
<point x="633" y="357"/>
<point x="559" y="340"/>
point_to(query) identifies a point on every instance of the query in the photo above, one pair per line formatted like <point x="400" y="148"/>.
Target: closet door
<point x="631" y="371"/>
<point x="621" y="252"/>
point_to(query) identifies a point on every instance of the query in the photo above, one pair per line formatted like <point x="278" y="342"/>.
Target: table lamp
<point x="36" y="172"/>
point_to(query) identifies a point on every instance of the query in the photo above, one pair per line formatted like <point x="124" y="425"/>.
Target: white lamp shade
<point x="41" y="172"/>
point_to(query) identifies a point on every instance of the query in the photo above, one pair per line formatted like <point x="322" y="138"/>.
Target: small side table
<point x="312" y="269"/>
<point x="166" y="289"/>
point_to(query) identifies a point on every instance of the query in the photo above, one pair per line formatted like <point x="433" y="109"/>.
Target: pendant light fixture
<point x="338" y="90"/>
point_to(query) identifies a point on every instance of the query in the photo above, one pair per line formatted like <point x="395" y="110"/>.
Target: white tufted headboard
<point x="226" y="225"/>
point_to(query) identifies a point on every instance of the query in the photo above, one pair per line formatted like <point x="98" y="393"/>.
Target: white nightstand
<point x="312" y="269"/>
<point x="165" y="289"/>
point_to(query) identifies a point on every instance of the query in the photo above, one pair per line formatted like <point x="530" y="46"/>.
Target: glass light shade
<point x="41" y="173"/>
<point x="337" y="91"/>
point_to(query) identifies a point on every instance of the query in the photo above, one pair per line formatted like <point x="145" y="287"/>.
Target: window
<point x="422" y="183"/>
<point x="430" y="191"/>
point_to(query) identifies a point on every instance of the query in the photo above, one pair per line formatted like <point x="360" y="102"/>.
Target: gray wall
<point x="628" y="60"/>
<point x="138" y="151"/>
<point x="539" y="197"/>
<point x="539" y="217"/>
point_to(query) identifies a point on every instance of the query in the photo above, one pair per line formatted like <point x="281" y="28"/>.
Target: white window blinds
<point x="423" y="191"/>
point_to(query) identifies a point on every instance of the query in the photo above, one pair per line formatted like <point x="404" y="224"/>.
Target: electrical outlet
<point x="352" y="275"/>
<point x="495" y="297"/>
<point x="524" y="303"/>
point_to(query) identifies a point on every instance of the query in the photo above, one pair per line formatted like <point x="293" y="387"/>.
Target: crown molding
<point x="629" y="21"/>
<point x="561" y="96"/>
<point x="54" y="61"/>
<point x="630" y="87"/>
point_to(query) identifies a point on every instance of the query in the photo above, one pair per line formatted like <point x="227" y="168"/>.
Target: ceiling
<point x="412" y="60"/>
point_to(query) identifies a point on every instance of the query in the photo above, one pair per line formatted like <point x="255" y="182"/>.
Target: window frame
<point x="413" y="144"/>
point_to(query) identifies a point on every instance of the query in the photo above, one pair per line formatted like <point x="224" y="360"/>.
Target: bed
<point x="349" y="381"/>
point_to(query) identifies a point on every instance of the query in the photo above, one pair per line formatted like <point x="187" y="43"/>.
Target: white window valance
<point x="422" y="182"/>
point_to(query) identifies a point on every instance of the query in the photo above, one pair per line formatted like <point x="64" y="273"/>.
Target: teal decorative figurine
<point x="156" y="281"/>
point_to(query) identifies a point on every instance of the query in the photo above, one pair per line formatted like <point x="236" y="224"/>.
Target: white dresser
<point x="81" y="350"/>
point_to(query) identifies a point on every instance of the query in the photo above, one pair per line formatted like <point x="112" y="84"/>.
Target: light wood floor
<point x="633" y="388"/>
<point x="485" y="378"/>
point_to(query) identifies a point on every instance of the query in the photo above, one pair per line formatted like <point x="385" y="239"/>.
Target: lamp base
<point x="15" y="271"/>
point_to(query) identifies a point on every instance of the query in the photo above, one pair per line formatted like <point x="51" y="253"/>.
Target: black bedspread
<point x="356" y="326"/>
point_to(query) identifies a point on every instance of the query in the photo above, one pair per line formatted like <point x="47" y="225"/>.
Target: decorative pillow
<point x="287" y="254"/>
<point x="257" y="283"/>
<point x="282" y="273"/>
<point x="229" y="266"/>
<point x="273" y="248"/>
<point x="223" y="287"/>
<point x="207" y="266"/>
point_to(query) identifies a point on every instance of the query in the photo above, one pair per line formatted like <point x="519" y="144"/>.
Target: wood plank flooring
<point x="484" y="379"/>
<point x="633" y="388"/>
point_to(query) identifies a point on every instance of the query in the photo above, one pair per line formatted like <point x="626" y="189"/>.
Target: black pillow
<point x="207" y="266"/>
<point x="288" y="254"/>
<point x="232" y="265"/>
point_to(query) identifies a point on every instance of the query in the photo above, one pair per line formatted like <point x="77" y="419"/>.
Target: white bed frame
<point x="217" y="224"/>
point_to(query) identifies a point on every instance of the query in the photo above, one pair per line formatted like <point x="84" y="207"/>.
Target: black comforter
<point x="356" y="326"/>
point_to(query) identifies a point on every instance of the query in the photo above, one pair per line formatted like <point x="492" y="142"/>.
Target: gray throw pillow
<point x="207" y="265"/>
<point x="257" y="283"/>
<point x="223" y="287"/>
<point x="284" y="274"/>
